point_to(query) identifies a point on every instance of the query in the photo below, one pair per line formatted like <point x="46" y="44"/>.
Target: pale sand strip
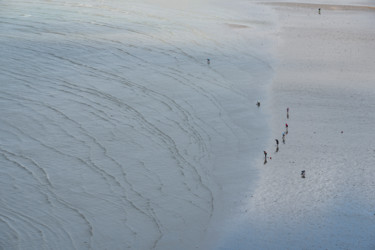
<point x="323" y="6"/>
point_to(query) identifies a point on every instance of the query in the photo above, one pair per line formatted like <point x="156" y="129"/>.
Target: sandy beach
<point x="115" y="131"/>
<point x="118" y="133"/>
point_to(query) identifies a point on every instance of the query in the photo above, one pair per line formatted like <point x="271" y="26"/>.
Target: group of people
<point x="283" y="140"/>
<point x="283" y="135"/>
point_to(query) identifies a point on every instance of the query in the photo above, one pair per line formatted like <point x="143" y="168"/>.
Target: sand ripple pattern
<point x="96" y="151"/>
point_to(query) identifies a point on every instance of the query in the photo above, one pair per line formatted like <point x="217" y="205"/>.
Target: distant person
<point x="303" y="174"/>
<point x="208" y="61"/>
<point x="286" y="127"/>
<point x="258" y="104"/>
<point x="287" y="113"/>
<point x="284" y="138"/>
<point x="277" y="145"/>
<point x="265" y="157"/>
<point x="319" y="11"/>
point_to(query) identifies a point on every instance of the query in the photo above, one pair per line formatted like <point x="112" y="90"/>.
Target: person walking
<point x="277" y="145"/>
<point x="284" y="137"/>
<point x="265" y="157"/>
<point x="286" y="127"/>
<point x="208" y="61"/>
<point x="287" y="113"/>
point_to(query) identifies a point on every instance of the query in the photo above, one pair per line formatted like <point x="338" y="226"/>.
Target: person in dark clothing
<point x="258" y="104"/>
<point x="277" y="145"/>
<point x="303" y="173"/>
<point x="265" y="157"/>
